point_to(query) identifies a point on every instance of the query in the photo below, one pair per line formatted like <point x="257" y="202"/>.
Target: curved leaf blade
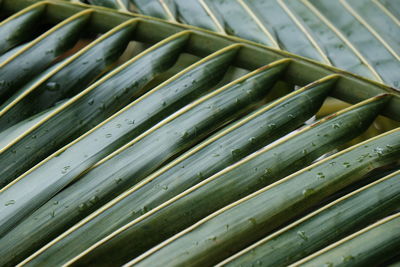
<point x="245" y="136"/>
<point x="139" y="116"/>
<point x="149" y="151"/>
<point x="39" y="53"/>
<point x="64" y="79"/>
<point x="87" y="109"/>
<point x="18" y="27"/>
<point x="372" y="245"/>
<point x="324" y="226"/>
<point x="249" y="219"/>
<point x="236" y="181"/>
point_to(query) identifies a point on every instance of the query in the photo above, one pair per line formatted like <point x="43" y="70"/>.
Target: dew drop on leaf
<point x="307" y="192"/>
<point x="10" y="202"/>
<point x="52" y="86"/>
<point x="302" y="235"/>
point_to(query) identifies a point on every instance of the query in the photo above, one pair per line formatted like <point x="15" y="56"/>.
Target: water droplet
<point x="185" y="135"/>
<point x="65" y="169"/>
<point x="302" y="235"/>
<point x="164" y="187"/>
<point x="320" y="175"/>
<point x="118" y="180"/>
<point x="346" y="164"/>
<point x="252" y="140"/>
<point x="52" y="214"/>
<point x="379" y="151"/>
<point x="82" y="207"/>
<point x="10" y="202"/>
<point x="235" y="153"/>
<point x="336" y="126"/>
<point x="118" y="125"/>
<point x="90" y="101"/>
<point x="144" y="210"/>
<point x="94" y="199"/>
<point x="268" y="171"/>
<point x="308" y="192"/>
<point x="362" y="157"/>
<point x="291" y="116"/>
<point x="108" y="135"/>
<point x="164" y="104"/>
<point x="52" y="86"/>
<point x="252" y="221"/>
<point x="99" y="59"/>
<point x="347" y="258"/>
<point x="49" y="51"/>
<point x="212" y="238"/>
<point x="55" y="202"/>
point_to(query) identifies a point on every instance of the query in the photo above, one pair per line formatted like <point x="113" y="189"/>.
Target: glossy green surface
<point x="65" y="165"/>
<point x="237" y="181"/>
<point x="65" y="79"/>
<point x="18" y="29"/>
<point x="235" y="227"/>
<point x="167" y="148"/>
<point x="226" y="147"/>
<point x="371" y="247"/>
<point x="328" y="225"/>
<point x="39" y="54"/>
<point x="252" y="55"/>
<point x="86" y="110"/>
<point x="144" y="155"/>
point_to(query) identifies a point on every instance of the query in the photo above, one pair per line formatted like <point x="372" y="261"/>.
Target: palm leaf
<point x="244" y="221"/>
<point x="340" y="32"/>
<point x="127" y="139"/>
<point x="358" y="249"/>
<point x="339" y="218"/>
